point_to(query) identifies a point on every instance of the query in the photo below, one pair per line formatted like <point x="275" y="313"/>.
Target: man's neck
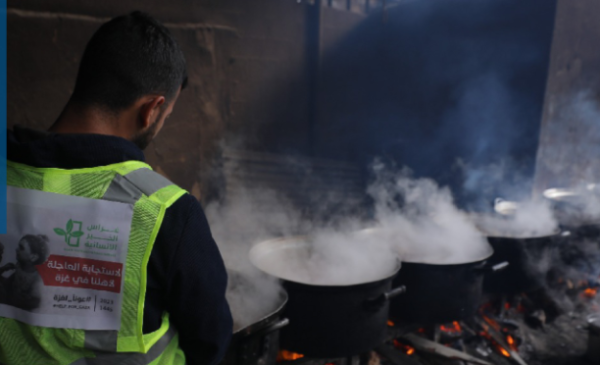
<point x="75" y="119"/>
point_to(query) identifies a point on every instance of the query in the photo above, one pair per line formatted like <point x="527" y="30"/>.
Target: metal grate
<point x="305" y="182"/>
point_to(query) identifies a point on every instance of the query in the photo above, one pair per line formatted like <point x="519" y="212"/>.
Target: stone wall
<point x="247" y="63"/>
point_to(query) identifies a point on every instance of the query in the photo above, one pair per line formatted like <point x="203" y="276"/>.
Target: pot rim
<point x="254" y="259"/>
<point x="554" y="233"/>
<point x="484" y="256"/>
<point x="283" y="299"/>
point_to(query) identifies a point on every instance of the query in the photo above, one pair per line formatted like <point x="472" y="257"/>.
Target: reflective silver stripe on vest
<point x="101" y="340"/>
<point x="148" y="181"/>
<point x="122" y="190"/>
<point x="130" y="358"/>
<point x="125" y="189"/>
<point x="129" y="188"/>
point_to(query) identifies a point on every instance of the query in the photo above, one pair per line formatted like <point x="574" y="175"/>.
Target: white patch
<point x="77" y="280"/>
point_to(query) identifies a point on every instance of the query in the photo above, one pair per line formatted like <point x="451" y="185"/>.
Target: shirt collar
<point x="68" y="151"/>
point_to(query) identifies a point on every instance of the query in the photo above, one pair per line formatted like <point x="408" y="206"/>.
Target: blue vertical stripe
<point x="3" y="116"/>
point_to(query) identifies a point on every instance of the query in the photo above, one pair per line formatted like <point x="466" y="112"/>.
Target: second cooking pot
<point x="328" y="318"/>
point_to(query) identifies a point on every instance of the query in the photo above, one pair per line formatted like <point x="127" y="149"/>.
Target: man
<point x="173" y="296"/>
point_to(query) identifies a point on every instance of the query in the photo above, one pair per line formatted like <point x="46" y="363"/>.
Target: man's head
<point x="132" y="67"/>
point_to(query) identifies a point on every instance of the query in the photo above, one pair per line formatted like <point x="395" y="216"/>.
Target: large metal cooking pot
<point x="442" y="292"/>
<point x="525" y="254"/>
<point x="328" y="318"/>
<point x="575" y="207"/>
<point x="258" y="342"/>
<point x="442" y="286"/>
<point x="593" y="350"/>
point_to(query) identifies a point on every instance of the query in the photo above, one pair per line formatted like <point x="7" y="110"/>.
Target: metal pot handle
<point x="272" y="328"/>
<point x="493" y="268"/>
<point x="375" y="304"/>
<point x="394" y="292"/>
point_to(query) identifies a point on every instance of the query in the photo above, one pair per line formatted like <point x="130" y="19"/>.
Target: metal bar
<point x="499" y="338"/>
<point x="422" y="344"/>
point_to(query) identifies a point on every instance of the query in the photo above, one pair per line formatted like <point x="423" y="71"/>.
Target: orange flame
<point x="285" y="355"/>
<point x="511" y="342"/>
<point x="502" y="350"/>
<point x="590" y="292"/>
<point x="390" y="323"/>
<point x="409" y="350"/>
<point x="456" y="328"/>
<point x="492" y="323"/>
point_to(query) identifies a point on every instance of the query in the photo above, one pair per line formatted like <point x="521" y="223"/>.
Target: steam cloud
<point x="413" y="218"/>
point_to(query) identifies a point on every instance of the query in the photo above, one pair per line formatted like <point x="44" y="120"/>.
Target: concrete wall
<point x="569" y="151"/>
<point x="247" y="64"/>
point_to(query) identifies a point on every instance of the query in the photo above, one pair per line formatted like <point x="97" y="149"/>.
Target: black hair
<point x="39" y="246"/>
<point x="128" y="57"/>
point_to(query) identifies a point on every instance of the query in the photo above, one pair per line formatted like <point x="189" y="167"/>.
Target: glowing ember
<point x="507" y="305"/>
<point x="492" y="323"/>
<point x="511" y="342"/>
<point x="409" y="350"/>
<point x="502" y="350"/>
<point x="390" y="323"/>
<point x="455" y="328"/>
<point x="285" y="355"/>
<point x="590" y="292"/>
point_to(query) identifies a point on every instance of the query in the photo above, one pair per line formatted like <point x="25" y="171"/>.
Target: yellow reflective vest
<point x="150" y="194"/>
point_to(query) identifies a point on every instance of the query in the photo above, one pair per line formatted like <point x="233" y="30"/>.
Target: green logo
<point x="68" y="233"/>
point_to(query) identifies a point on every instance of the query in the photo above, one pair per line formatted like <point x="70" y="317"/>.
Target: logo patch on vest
<point x="62" y="261"/>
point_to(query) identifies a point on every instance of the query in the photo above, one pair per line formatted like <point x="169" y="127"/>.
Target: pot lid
<point x="324" y="263"/>
<point x="520" y="236"/>
<point x="560" y="194"/>
<point x="505" y="207"/>
<point x="475" y="248"/>
<point x="572" y="194"/>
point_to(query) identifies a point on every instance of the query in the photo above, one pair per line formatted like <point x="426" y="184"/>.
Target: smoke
<point x="237" y="223"/>
<point x="420" y="221"/>
<point x="531" y="218"/>
<point x="413" y="219"/>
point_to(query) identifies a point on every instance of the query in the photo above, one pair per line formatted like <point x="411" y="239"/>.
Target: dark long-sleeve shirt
<point x="186" y="275"/>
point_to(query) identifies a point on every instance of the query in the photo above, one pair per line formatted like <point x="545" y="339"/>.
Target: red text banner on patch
<point x="76" y="272"/>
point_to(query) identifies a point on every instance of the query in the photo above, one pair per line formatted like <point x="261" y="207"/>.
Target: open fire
<point x="285" y="355"/>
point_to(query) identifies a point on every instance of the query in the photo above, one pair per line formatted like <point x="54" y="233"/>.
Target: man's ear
<point x="150" y="110"/>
